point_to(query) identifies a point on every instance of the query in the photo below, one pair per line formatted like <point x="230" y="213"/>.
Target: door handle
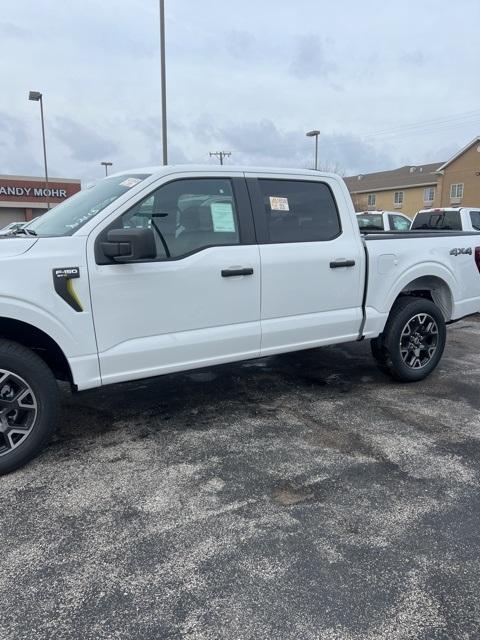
<point x="229" y="273"/>
<point x="338" y="264"/>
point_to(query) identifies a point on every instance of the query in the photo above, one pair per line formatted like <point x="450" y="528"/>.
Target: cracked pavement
<point x="304" y="496"/>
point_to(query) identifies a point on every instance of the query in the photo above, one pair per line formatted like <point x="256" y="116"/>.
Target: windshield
<point x="66" y="218"/>
<point x="370" y="222"/>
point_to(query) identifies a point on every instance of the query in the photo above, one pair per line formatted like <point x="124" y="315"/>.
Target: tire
<point x="413" y="340"/>
<point x="29" y="402"/>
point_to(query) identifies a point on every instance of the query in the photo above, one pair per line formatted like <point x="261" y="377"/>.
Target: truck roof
<point x="229" y="168"/>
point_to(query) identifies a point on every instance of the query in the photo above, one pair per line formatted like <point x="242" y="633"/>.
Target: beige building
<point x="410" y="188"/>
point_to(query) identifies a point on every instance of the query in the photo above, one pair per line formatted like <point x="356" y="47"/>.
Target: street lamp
<point x="106" y="165"/>
<point x="36" y="96"/>
<point x="314" y="134"/>
<point x="163" y="81"/>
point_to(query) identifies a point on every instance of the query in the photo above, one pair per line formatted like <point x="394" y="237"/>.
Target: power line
<point x="440" y="121"/>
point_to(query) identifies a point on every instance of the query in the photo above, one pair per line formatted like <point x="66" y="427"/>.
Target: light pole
<point x="106" y="165"/>
<point x="36" y="96"/>
<point x="314" y="134"/>
<point x="221" y="155"/>
<point x="163" y="81"/>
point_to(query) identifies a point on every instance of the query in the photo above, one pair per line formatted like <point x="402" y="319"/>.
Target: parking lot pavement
<point x="304" y="496"/>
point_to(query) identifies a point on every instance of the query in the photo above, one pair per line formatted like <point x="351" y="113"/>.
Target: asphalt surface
<point x="302" y="497"/>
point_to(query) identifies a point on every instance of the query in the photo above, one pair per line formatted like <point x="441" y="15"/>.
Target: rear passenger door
<point x="312" y="262"/>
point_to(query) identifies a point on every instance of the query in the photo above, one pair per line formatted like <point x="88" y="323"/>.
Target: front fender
<point x="78" y="348"/>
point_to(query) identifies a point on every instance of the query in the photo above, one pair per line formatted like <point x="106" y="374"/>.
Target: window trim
<point x="374" y="203"/>
<point x="456" y="184"/>
<point x="258" y="207"/>
<point x="398" y="204"/>
<point x="246" y="227"/>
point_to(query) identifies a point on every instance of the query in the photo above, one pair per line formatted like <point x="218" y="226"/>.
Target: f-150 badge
<point x="62" y="281"/>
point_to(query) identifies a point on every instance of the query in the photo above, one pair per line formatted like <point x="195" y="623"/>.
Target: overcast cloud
<point x="247" y="77"/>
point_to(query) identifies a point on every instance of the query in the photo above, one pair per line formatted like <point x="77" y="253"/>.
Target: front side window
<point x="299" y="211"/>
<point x="399" y="223"/>
<point x="428" y="194"/>
<point x="398" y="198"/>
<point x="188" y="215"/>
<point x="456" y="190"/>
<point x="67" y="217"/>
<point x="372" y="199"/>
<point x="475" y="218"/>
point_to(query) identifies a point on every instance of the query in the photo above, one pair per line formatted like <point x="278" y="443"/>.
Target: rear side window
<point x="475" y="218"/>
<point x="299" y="211"/>
<point x="438" y="221"/>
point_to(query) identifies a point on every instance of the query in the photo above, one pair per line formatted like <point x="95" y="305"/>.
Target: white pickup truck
<point x="168" y="269"/>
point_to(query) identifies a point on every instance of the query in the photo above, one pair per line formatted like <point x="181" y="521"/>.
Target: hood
<point x="11" y="246"/>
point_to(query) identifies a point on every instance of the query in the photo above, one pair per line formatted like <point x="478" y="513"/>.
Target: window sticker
<point x="222" y="217"/>
<point x="130" y="182"/>
<point x="279" y="204"/>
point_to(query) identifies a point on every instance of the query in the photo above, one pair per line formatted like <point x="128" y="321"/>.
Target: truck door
<point x="312" y="259"/>
<point x="198" y="302"/>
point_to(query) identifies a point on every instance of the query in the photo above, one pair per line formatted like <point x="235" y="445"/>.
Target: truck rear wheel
<point x="413" y="341"/>
<point x="29" y="400"/>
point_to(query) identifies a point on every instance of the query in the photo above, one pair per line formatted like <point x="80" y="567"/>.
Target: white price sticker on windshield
<point x="279" y="204"/>
<point x="130" y="182"/>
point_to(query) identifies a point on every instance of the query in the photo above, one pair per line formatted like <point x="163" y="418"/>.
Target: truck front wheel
<point x="413" y="340"/>
<point x="29" y="400"/>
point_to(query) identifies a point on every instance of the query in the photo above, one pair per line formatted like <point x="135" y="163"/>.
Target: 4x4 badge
<point x="458" y="252"/>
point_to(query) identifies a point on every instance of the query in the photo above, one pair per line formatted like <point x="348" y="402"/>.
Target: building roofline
<point x="459" y="153"/>
<point x="396" y="187"/>
<point x="37" y="179"/>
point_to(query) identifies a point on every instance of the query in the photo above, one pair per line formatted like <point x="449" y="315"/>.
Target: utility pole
<point x="221" y="155"/>
<point x="163" y="82"/>
<point x="106" y="165"/>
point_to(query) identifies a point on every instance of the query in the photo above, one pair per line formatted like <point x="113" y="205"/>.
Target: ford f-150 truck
<point x="168" y="269"/>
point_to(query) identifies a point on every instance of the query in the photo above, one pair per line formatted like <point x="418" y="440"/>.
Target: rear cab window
<point x="298" y="211"/>
<point x="370" y="222"/>
<point x="438" y="221"/>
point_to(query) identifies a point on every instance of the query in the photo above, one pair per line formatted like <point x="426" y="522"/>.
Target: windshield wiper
<point x="24" y="231"/>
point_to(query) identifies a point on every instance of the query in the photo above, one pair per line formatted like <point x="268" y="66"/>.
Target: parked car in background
<point x="11" y="228"/>
<point x="448" y="219"/>
<point x="383" y="221"/>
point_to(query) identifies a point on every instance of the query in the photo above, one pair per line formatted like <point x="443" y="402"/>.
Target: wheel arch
<point x="433" y="288"/>
<point x="40" y="342"/>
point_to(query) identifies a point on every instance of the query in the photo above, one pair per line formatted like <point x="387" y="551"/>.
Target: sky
<point x="386" y="83"/>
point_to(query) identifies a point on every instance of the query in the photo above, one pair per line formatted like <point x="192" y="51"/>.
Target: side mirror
<point x="130" y="245"/>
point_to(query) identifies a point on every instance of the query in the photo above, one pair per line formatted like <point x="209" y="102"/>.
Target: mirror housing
<point x="130" y="245"/>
